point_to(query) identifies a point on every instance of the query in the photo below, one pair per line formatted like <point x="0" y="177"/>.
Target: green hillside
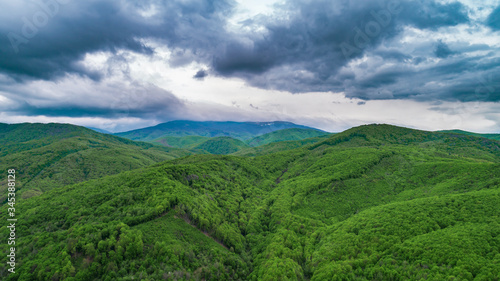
<point x="186" y="142"/>
<point x="221" y="145"/>
<point x="285" y="135"/>
<point x="375" y="202"/>
<point x="48" y="156"/>
<point x="295" y="134"/>
<point x="278" y="146"/>
<point x="488" y="136"/>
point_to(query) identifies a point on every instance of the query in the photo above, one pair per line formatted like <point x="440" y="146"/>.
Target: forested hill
<point x="488" y="136"/>
<point x="238" y="130"/>
<point x="285" y="135"/>
<point x="52" y="155"/>
<point x="25" y="136"/>
<point x="283" y="139"/>
<point x="375" y="202"/>
<point x="280" y="146"/>
<point x="222" y="145"/>
<point x="440" y="142"/>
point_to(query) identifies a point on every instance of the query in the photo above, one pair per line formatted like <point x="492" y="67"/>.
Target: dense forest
<point x="229" y="145"/>
<point x="375" y="202"/>
<point x="49" y="156"/>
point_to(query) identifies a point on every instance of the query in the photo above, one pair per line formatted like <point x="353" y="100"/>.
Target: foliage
<point x="274" y="147"/>
<point x="285" y="135"/>
<point x="488" y="136"/>
<point x="48" y="156"/>
<point x="187" y="142"/>
<point x="374" y="202"/>
<point x="221" y="145"/>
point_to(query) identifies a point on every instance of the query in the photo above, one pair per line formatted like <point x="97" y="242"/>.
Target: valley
<point x="375" y="202"/>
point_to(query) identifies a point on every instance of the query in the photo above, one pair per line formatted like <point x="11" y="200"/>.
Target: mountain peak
<point x="238" y="130"/>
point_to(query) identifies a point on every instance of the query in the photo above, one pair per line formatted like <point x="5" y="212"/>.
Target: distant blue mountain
<point x="99" y="130"/>
<point x="237" y="130"/>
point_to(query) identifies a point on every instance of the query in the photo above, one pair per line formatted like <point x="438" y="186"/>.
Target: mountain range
<point x="375" y="202"/>
<point x="238" y="130"/>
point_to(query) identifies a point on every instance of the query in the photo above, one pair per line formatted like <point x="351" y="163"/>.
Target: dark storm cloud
<point x="493" y="20"/>
<point x="306" y="46"/>
<point x="308" y="51"/>
<point x="482" y="87"/>
<point x="201" y="74"/>
<point x="313" y="37"/>
<point x="113" y="100"/>
<point x="383" y="78"/>
<point x="77" y="28"/>
<point x="470" y="79"/>
<point x="392" y="54"/>
<point x="310" y="40"/>
<point x="428" y="14"/>
<point x="442" y="50"/>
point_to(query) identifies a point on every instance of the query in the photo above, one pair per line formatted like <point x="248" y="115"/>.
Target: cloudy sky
<point x="330" y="64"/>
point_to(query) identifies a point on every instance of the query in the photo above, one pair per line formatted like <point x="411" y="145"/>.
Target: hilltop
<point x="238" y="130"/>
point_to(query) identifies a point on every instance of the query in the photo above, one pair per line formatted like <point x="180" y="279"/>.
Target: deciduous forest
<point x="375" y="202"/>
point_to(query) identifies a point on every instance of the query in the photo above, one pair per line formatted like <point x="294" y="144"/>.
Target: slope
<point x="285" y="135"/>
<point x="421" y="239"/>
<point x="100" y="130"/>
<point x="238" y="130"/>
<point x="186" y="142"/>
<point x="488" y="136"/>
<point x="278" y="146"/>
<point x="221" y="145"/>
<point x="375" y="202"/>
<point x="48" y="156"/>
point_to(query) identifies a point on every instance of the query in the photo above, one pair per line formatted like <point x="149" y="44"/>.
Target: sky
<point x="331" y="64"/>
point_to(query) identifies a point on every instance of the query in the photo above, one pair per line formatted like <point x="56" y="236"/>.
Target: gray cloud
<point x="317" y="30"/>
<point x="82" y="27"/>
<point x="493" y="20"/>
<point x="201" y="74"/>
<point x="428" y="14"/>
<point x="459" y="79"/>
<point x="309" y="40"/>
<point x="306" y="46"/>
<point x="307" y="51"/>
<point x="383" y="78"/>
<point x="442" y="50"/>
<point x="392" y="54"/>
<point x="103" y="99"/>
